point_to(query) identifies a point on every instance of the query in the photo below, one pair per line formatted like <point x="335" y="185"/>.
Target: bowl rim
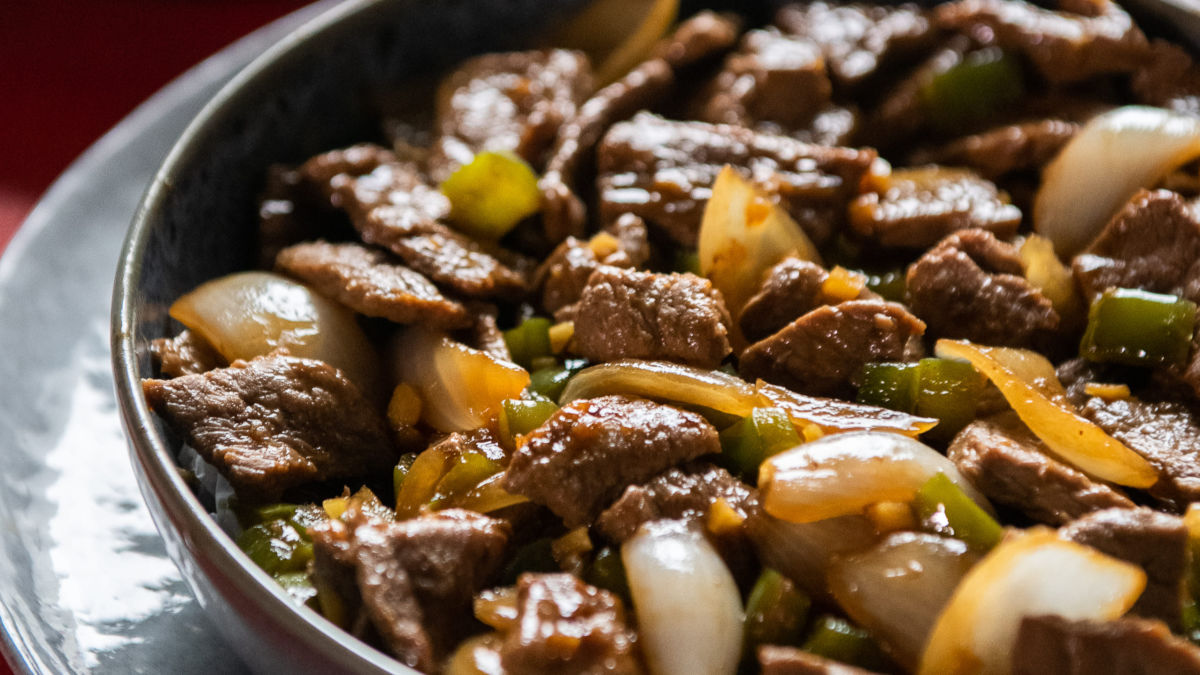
<point x="235" y="577"/>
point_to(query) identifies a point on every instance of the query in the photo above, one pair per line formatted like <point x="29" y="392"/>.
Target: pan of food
<point x="632" y="337"/>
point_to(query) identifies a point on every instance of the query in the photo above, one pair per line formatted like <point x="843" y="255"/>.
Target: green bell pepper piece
<point x="838" y="639"/>
<point x="984" y="82"/>
<point x="529" y="340"/>
<point x="754" y="438"/>
<point x="1138" y="328"/>
<point x="943" y="508"/>
<point x="491" y="194"/>
<point x="776" y="612"/>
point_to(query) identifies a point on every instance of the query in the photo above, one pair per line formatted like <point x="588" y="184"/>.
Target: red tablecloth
<point x="71" y="69"/>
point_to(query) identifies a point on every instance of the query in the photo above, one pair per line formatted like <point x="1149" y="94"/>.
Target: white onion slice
<point x="843" y="474"/>
<point x="1034" y="573"/>
<point x="688" y="608"/>
<point x="803" y="551"/>
<point x="251" y="314"/>
<point x="1099" y="169"/>
<point x="664" y="381"/>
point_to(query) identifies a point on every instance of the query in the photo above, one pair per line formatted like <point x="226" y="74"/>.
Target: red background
<point x="71" y="69"/>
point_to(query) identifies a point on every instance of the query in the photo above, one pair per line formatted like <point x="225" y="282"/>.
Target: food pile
<point x="862" y="341"/>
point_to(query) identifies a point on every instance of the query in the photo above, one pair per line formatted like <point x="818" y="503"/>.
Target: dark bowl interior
<point x="319" y="89"/>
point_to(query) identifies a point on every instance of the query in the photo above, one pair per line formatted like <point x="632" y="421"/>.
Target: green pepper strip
<point x="552" y="380"/>
<point x="469" y="470"/>
<point x="981" y="84"/>
<point x="276" y="547"/>
<point x="754" y="438"/>
<point x="519" y="416"/>
<point x="491" y="194"/>
<point x="891" y="284"/>
<point x="607" y="571"/>
<point x="890" y="385"/>
<point x="299" y="586"/>
<point x="838" y="639"/>
<point x="529" y="340"/>
<point x="536" y="556"/>
<point x="949" y="391"/>
<point x="1138" y="328"/>
<point x="776" y="612"/>
<point x="945" y="509"/>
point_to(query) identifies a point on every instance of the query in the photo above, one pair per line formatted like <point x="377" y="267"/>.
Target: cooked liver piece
<point x="590" y="450"/>
<point x="791" y="288"/>
<point x="573" y="157"/>
<point x="1170" y="79"/>
<point x="1153" y="243"/>
<point x="643" y="315"/>
<point x="971" y="286"/>
<point x="778" y="660"/>
<point x="274" y="423"/>
<point x="565" y="273"/>
<point x="370" y="282"/>
<point x="1052" y="644"/>
<point x="1002" y="458"/>
<point x="771" y="78"/>
<point x="506" y="101"/>
<point x="858" y="39"/>
<point x="819" y="352"/>
<point x="418" y="577"/>
<point x="680" y="493"/>
<point x="920" y="206"/>
<point x="1063" y="46"/>
<point x="663" y="171"/>
<point x="1008" y="148"/>
<point x="703" y="36"/>
<point x="1155" y="541"/>
<point x="566" y="627"/>
<point x="184" y="354"/>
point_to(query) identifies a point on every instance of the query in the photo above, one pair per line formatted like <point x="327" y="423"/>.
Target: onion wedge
<point x="1099" y="169"/>
<point x="664" y="381"/>
<point x="743" y="233"/>
<point x="843" y="474"/>
<point x="617" y="34"/>
<point x="1028" y="382"/>
<point x="831" y="416"/>
<point x="1033" y="573"/>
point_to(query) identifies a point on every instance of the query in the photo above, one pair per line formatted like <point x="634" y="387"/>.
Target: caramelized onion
<point x="617" y="34"/>
<point x="1029" y="384"/>
<point x="251" y="314"/>
<point x="832" y="416"/>
<point x="664" y="381"/>
<point x="843" y="474"/>
<point x="1030" y="574"/>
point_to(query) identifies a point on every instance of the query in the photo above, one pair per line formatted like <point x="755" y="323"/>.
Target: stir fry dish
<point x="862" y="341"/>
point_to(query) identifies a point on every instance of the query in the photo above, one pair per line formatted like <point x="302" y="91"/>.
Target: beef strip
<point x="1053" y="644"/>
<point x="819" y="352"/>
<point x="790" y="289"/>
<point x="779" y="660"/>
<point x="1063" y="46"/>
<point x="643" y="315"/>
<point x="275" y="422"/>
<point x="565" y="273"/>
<point x="972" y="285"/>
<point x="506" y="101"/>
<point x="701" y="37"/>
<point x="284" y="214"/>
<point x="184" y="354"/>
<point x="332" y="571"/>
<point x="563" y="212"/>
<point x="362" y="177"/>
<point x="917" y="207"/>
<point x="564" y="626"/>
<point x="370" y="282"/>
<point x="772" y="78"/>
<point x="1155" y="541"/>
<point x="484" y="332"/>
<point x="1170" y="79"/>
<point x="663" y="171"/>
<point x="1153" y="243"/>
<point x="680" y="493"/>
<point x="418" y="577"/>
<point x="590" y="450"/>
<point x="1002" y="458"/>
<point x="1005" y="149"/>
<point x="857" y="40"/>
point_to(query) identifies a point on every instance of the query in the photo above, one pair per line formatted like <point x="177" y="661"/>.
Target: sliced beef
<point x="701" y="37"/>
<point x="573" y="156"/>
<point x="565" y="273"/>
<point x="819" y="352"/>
<point x="332" y="570"/>
<point x="1153" y="243"/>
<point x="370" y="282"/>
<point x="590" y="450"/>
<point x="484" y="332"/>
<point x="1053" y="644"/>
<point x="643" y="315"/>
<point x="1063" y="46"/>
<point x="681" y="493"/>
<point x="274" y="423"/>
<point x="184" y="354"/>
<point x="285" y="216"/>
<point x="564" y="626"/>
<point x="506" y="101"/>
<point x="835" y="125"/>
<point x="663" y="171"/>
<point x="1170" y="79"/>
<point x="790" y="289"/>
<point x="773" y="78"/>
<point x="1005" y="149"/>
<point x="971" y="286"/>
<point x="778" y="660"/>
<point x="918" y="207"/>
<point x="1001" y="457"/>
<point x="1155" y="541"/>
<point x="858" y="40"/>
<point x="362" y="177"/>
<point x="418" y="577"/>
